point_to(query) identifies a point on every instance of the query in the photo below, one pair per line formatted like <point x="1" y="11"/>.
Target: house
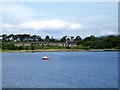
<point x="39" y="43"/>
<point x="71" y="43"/>
<point x="22" y="43"/>
<point x="57" y="44"/>
<point x="68" y="43"/>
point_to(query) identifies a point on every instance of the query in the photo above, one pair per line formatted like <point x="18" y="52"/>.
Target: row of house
<point x="67" y="43"/>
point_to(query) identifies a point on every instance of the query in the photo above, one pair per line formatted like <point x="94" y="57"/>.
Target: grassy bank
<point x="60" y="50"/>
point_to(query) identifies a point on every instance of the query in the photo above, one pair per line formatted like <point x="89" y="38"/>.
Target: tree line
<point x="30" y="38"/>
<point x="90" y="42"/>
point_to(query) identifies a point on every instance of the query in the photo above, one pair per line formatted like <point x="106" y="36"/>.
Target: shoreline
<point x="61" y="50"/>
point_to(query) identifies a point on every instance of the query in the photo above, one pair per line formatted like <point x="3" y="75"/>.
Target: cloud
<point x="51" y="24"/>
<point x="111" y="33"/>
<point x="18" y="13"/>
<point x="54" y="24"/>
<point x="8" y="26"/>
<point x="108" y="32"/>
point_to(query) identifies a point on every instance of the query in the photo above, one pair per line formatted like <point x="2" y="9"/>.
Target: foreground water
<point x="63" y="70"/>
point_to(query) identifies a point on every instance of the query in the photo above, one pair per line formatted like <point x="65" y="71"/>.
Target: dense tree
<point x="34" y="38"/>
<point x="77" y="38"/>
<point x="92" y="38"/>
<point x="39" y="38"/>
<point x="4" y="37"/>
<point x="47" y="38"/>
<point x="10" y="37"/>
<point x="68" y="39"/>
<point x="32" y="47"/>
<point x="9" y="46"/>
<point x="20" y="48"/>
<point x="63" y="39"/>
<point x="72" y="38"/>
<point x="91" y="42"/>
<point x="52" y="39"/>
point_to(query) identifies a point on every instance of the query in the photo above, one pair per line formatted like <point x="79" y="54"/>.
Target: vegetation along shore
<point x="34" y="43"/>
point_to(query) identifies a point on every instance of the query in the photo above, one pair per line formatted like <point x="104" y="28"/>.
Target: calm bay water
<point x="63" y="70"/>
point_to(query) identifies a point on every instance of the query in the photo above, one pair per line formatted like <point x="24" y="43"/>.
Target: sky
<point x="58" y="19"/>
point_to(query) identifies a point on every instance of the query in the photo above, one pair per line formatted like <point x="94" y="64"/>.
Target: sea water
<point x="62" y="70"/>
